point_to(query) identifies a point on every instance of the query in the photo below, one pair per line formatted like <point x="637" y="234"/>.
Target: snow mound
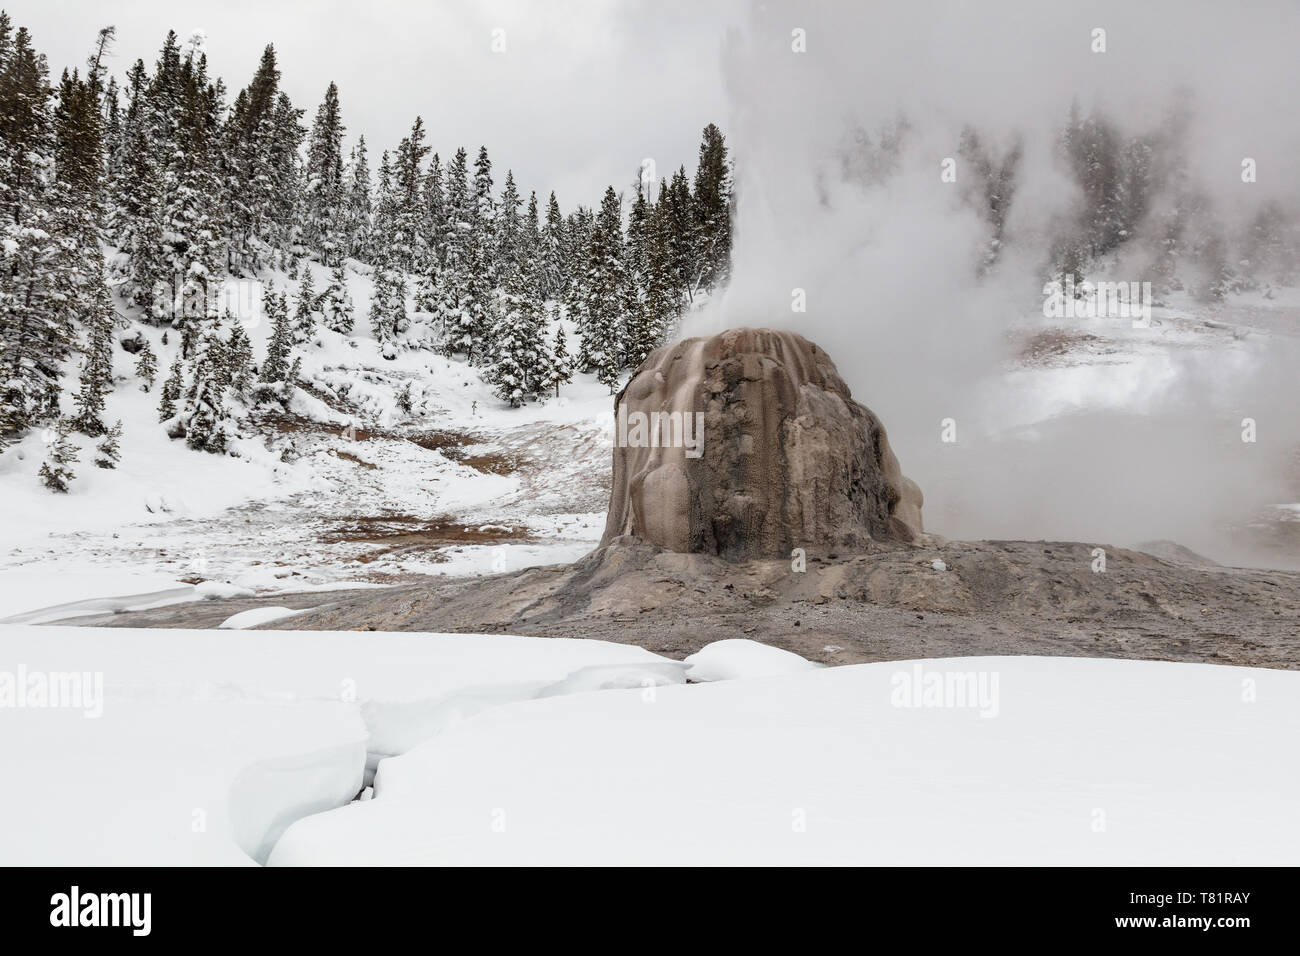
<point x="737" y="658"/>
<point x="255" y="616"/>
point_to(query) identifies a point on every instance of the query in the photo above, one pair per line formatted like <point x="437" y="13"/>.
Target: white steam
<point x="889" y="266"/>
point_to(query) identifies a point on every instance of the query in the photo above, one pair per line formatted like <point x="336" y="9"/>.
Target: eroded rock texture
<point x="786" y="458"/>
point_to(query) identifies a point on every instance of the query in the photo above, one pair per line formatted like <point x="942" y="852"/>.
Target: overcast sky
<point x="584" y="90"/>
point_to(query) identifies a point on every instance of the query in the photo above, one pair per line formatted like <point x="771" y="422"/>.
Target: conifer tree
<point x="194" y="248"/>
<point x="678" y="209"/>
<point x="388" y="304"/>
<point x="407" y="226"/>
<point x="552" y="251"/>
<point x="711" y="202"/>
<point x="291" y="379"/>
<point x="429" y="286"/>
<point x="435" y="211"/>
<point x="357" y="204"/>
<point x="518" y="361"/>
<point x="559" y="369"/>
<point x="337" y="303"/>
<point x="278" y="349"/>
<point x="146" y="367"/>
<point x="660" y="299"/>
<point x="530" y="246"/>
<point x="606" y="294"/>
<point x="323" y="197"/>
<point x="509" y="232"/>
<point x="575" y="252"/>
<point x="107" y="452"/>
<point x="171" y="391"/>
<point x="35" y="326"/>
<point x="304" y="316"/>
<point x="56" y="471"/>
<point x="239" y="361"/>
<point x="454" y="279"/>
<point x="205" y="414"/>
<point x="96" y="369"/>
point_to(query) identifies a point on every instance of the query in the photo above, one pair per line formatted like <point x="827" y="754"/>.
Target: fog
<point x="890" y="264"/>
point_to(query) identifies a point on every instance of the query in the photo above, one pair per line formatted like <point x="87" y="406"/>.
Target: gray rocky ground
<point x="995" y="597"/>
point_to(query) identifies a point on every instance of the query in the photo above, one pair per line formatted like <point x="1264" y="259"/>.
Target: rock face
<point x="747" y="445"/>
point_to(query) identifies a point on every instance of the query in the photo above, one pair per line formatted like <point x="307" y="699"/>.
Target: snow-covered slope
<point x="344" y="486"/>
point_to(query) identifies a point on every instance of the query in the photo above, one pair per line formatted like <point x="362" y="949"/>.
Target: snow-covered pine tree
<point x="478" y="294"/>
<point x="77" y="196"/>
<point x="406" y="398"/>
<point x="484" y="205"/>
<point x="530" y="245"/>
<point x="428" y="291"/>
<point x="606" y="300"/>
<point x="146" y="367"/>
<point x="136" y="190"/>
<point x="638" y="238"/>
<point x="479" y="277"/>
<point x="552" y="252"/>
<point x="205" y="414"/>
<point x="453" y="280"/>
<point x="280" y="346"/>
<point x="388" y="303"/>
<point x="712" y="211"/>
<point x="56" y="471"/>
<point x="518" y="360"/>
<point x="336" y="303"/>
<point x="509" y="233"/>
<point x="171" y="391"/>
<point x="381" y="307"/>
<point x="34" y="327"/>
<point x="324" y="198"/>
<point x="575" y="252"/>
<point x="408" y="216"/>
<point x="291" y="379"/>
<point x="357" y="204"/>
<point x="678" y="208"/>
<point x="286" y="176"/>
<point x="262" y="135"/>
<point x="108" y="452"/>
<point x="304" y="316"/>
<point x="192" y="235"/>
<point x="661" y="300"/>
<point x="435" y="211"/>
<point x="559" y="367"/>
<point x="239" y="360"/>
<point x="96" y="367"/>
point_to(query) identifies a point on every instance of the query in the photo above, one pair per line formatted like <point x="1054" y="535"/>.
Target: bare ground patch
<point x="397" y="534"/>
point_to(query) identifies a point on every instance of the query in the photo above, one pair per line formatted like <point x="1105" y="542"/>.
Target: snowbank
<point x="32" y="597"/>
<point x="255" y="616"/>
<point x="1086" y="762"/>
<point x="209" y="743"/>
<point x="736" y="658"/>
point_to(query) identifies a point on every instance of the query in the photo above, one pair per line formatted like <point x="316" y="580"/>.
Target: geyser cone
<point x="748" y="444"/>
